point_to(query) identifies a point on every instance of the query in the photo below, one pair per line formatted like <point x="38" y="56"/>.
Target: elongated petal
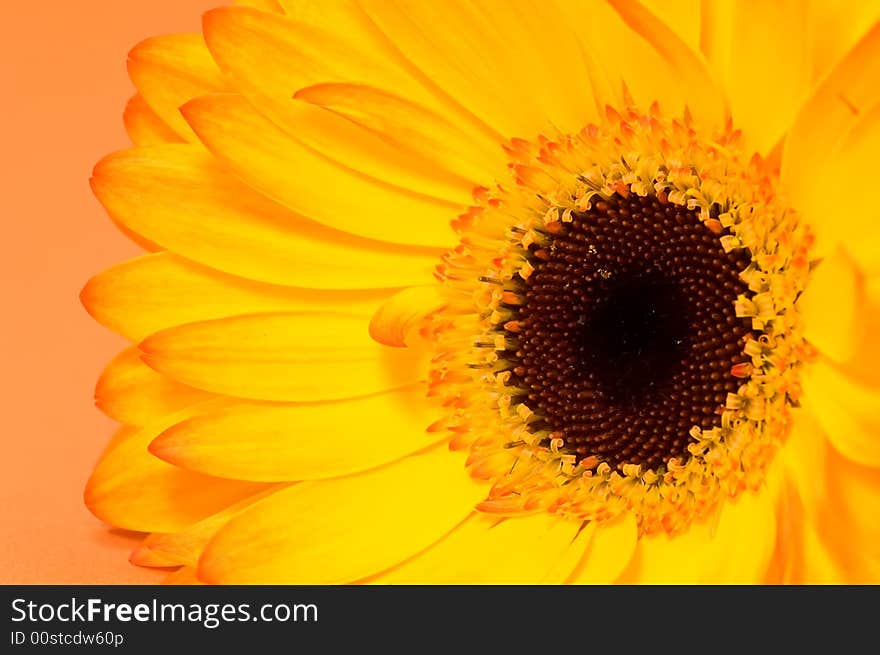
<point x="306" y="442"/>
<point x="297" y="356"/>
<point x="848" y="412"/>
<point x="763" y="58"/>
<point x="684" y="17"/>
<point x="542" y="50"/>
<point x="413" y="128"/>
<point x="270" y="58"/>
<point x="469" y="59"/>
<point x="629" y="46"/>
<point x="135" y="490"/>
<point x="609" y="552"/>
<point x="168" y="70"/>
<point x="141" y="296"/>
<point x="837" y="500"/>
<point x="864" y="366"/>
<point x="848" y="519"/>
<point x="272" y="162"/>
<point x="835" y="28"/>
<point x="185" y="547"/>
<point x="802" y="557"/>
<point x="344" y="529"/>
<point x="328" y="42"/>
<point x="143" y="125"/>
<point x="486" y="550"/>
<point x="832" y="305"/>
<point x="833" y="142"/>
<point x="734" y="547"/>
<point x="179" y="197"/>
<point x="133" y="393"/>
<point x="398" y="321"/>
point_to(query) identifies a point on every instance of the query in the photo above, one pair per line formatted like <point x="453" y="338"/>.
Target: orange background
<point x="63" y="86"/>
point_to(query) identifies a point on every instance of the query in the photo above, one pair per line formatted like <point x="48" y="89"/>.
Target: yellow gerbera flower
<point x="499" y="291"/>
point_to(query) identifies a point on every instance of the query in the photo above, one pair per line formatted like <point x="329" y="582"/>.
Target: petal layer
<point x="133" y="393"/>
<point x="342" y="530"/>
<point x="303" y="180"/>
<point x="144" y="295"/>
<point x="486" y="550"/>
<point x="733" y="547"/>
<point x="306" y="442"/>
<point x="832" y="145"/>
<point x="848" y="412"/>
<point x="179" y="197"/>
<point x="610" y="551"/>
<point x="305" y="356"/>
<point x="832" y="306"/>
<point x="134" y="490"/>
<point x="143" y="125"/>
<point x="171" y="69"/>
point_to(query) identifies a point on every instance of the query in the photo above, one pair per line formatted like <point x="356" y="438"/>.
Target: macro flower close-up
<point x="498" y="292"/>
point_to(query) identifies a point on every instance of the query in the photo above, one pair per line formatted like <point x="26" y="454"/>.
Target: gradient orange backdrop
<point x="63" y="86"/>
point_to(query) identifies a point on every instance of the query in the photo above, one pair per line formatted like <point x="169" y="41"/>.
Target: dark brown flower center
<point x="627" y="331"/>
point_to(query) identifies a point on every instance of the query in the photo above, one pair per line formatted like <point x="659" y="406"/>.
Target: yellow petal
<point x="804" y="455"/>
<point x="848" y="412"/>
<point x="854" y="220"/>
<point x="831" y="148"/>
<point x="818" y="565"/>
<point x="134" y="490"/>
<point x="837" y="500"/>
<point x="392" y="158"/>
<point x="303" y="356"/>
<point x="398" y="320"/>
<point x="681" y="16"/>
<point x="143" y="125"/>
<point x="832" y="304"/>
<point x="802" y="557"/>
<point x="742" y="544"/>
<point x="486" y="550"/>
<point x="377" y="61"/>
<point x="282" y="168"/>
<point x="179" y="197"/>
<point x="133" y="393"/>
<point x="836" y="27"/>
<point x="306" y="442"/>
<point x="568" y="563"/>
<point x="609" y="552"/>
<point x="832" y="510"/>
<point x="170" y="69"/>
<point x="831" y="515"/>
<point x="477" y="55"/>
<point x="331" y="41"/>
<point x="413" y="128"/>
<point x="185" y="547"/>
<point x="848" y="522"/>
<point x="344" y="529"/>
<point x="270" y="58"/>
<point x="544" y="58"/>
<point x="733" y="547"/>
<point x="632" y="47"/>
<point x="144" y="295"/>
<point x="864" y="366"/>
<point x="762" y="54"/>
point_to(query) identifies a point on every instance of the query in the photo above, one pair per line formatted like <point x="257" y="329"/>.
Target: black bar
<point x="328" y="619"/>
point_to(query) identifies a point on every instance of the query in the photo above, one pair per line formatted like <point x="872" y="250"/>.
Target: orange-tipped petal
<point x="302" y="356"/>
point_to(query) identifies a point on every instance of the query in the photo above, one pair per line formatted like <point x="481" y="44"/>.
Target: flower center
<point x="619" y="332"/>
<point x="627" y="331"/>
